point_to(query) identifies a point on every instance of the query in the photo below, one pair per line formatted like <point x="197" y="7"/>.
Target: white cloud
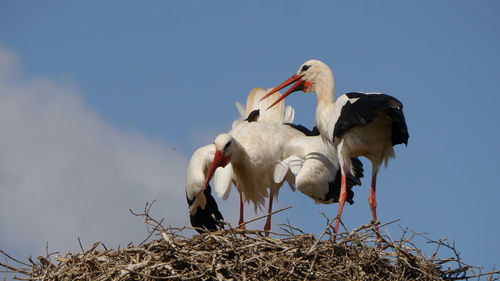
<point x="65" y="173"/>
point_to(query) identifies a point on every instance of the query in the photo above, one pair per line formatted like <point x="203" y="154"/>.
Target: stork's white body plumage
<point x="357" y="124"/>
<point x="250" y="151"/>
<point x="313" y="167"/>
<point x="256" y="147"/>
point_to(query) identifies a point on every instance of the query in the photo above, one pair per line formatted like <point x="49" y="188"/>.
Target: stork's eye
<point x="227" y="145"/>
<point x="305" y="67"/>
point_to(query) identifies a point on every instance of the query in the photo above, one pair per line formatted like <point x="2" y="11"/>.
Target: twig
<point x="14" y="259"/>
<point x="329" y="224"/>
<point x="81" y="246"/>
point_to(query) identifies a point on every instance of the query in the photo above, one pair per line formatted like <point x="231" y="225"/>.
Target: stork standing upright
<point x="248" y="154"/>
<point x="203" y="209"/>
<point x="357" y="124"/>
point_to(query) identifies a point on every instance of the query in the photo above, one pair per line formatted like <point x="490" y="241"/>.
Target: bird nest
<point x="234" y="254"/>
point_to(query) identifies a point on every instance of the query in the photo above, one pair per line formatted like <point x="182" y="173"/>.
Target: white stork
<point x="249" y="161"/>
<point x="357" y="124"/>
<point x="203" y="209"/>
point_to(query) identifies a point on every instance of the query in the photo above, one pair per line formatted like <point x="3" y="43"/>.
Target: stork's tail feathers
<point x="208" y="218"/>
<point x="399" y="130"/>
<point x="353" y="178"/>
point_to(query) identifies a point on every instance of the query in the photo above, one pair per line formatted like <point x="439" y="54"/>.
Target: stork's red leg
<point x="241" y="213"/>
<point x="372" y="200"/>
<point x="342" y="198"/>
<point x="267" y="226"/>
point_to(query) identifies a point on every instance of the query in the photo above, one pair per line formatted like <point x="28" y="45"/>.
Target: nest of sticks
<point x="234" y="254"/>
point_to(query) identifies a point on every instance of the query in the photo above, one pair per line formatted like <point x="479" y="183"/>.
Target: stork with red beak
<point x="247" y="155"/>
<point x="214" y="160"/>
<point x="357" y="124"/>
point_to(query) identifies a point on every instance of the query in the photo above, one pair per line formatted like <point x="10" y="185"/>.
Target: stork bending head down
<point x="204" y="213"/>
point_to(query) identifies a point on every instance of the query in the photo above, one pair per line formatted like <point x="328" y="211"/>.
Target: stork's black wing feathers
<point x="208" y="219"/>
<point x="304" y="130"/>
<point x="352" y="180"/>
<point x="359" y="113"/>
<point x="366" y="108"/>
<point x="315" y="131"/>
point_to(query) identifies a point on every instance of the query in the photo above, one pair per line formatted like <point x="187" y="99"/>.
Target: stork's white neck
<point x="324" y="87"/>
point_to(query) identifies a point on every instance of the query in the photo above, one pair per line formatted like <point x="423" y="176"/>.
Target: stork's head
<point x="224" y="148"/>
<point x="311" y="75"/>
<point x="224" y="144"/>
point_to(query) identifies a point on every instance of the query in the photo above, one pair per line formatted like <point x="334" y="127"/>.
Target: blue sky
<point x="147" y="83"/>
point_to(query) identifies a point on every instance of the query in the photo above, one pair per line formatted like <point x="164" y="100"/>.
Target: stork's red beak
<point x="295" y="87"/>
<point x="220" y="160"/>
